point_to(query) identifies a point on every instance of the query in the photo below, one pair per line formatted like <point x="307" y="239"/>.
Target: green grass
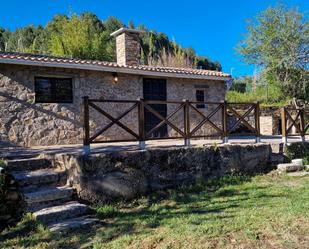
<point x="267" y="211"/>
<point x="106" y="211"/>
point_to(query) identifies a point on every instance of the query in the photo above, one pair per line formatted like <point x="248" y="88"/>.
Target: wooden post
<point x="141" y="124"/>
<point x="257" y="123"/>
<point x="224" y="123"/>
<point x="86" y="147"/>
<point x="283" y="125"/>
<point x="186" y="118"/>
<point x="302" y="125"/>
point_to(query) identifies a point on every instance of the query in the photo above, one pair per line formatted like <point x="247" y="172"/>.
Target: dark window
<point x="200" y="97"/>
<point x="53" y="90"/>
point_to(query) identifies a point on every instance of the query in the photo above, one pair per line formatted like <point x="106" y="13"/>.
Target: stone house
<point x="41" y="96"/>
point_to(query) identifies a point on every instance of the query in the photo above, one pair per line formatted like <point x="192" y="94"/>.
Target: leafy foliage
<point x="297" y="150"/>
<point x="278" y="43"/>
<point x="257" y="88"/>
<point x="267" y="96"/>
<point x="242" y="84"/>
<point x="87" y="37"/>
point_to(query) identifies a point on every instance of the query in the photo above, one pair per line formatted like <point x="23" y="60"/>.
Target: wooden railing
<point x="222" y="117"/>
<point x="297" y="118"/>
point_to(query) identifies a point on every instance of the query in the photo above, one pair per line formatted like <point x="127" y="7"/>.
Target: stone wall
<point x="126" y="175"/>
<point x="270" y="121"/>
<point x="128" y="49"/>
<point x="26" y="123"/>
<point x="266" y="125"/>
<point x="11" y="203"/>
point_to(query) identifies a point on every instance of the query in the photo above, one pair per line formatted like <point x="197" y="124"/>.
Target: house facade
<point x="41" y="96"/>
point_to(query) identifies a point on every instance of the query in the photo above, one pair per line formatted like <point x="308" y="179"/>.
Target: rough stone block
<point x="298" y="161"/>
<point x="289" y="167"/>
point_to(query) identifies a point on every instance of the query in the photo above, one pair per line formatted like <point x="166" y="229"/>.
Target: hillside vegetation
<point x="85" y="36"/>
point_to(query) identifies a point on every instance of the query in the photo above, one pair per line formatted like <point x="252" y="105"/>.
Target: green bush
<point x="267" y="97"/>
<point x="297" y="150"/>
<point x="306" y="160"/>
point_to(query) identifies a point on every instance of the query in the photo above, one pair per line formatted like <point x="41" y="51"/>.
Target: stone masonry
<point x="26" y="123"/>
<point x="128" y="49"/>
<point x="266" y="125"/>
<point x="125" y="175"/>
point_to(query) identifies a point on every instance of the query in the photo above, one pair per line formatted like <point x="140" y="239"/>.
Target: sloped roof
<point x="52" y="61"/>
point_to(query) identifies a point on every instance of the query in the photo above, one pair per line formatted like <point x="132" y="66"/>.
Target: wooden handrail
<point x="185" y="106"/>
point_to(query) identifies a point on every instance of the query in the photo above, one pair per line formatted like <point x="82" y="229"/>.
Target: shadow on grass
<point x="209" y="201"/>
<point x="205" y="201"/>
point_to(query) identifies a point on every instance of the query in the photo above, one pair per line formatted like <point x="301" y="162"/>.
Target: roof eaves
<point x="113" y="68"/>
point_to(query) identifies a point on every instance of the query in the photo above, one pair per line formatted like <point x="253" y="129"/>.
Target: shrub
<point x="297" y="150"/>
<point x="267" y="97"/>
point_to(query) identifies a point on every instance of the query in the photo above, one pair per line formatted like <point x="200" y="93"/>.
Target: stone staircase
<point x="47" y="196"/>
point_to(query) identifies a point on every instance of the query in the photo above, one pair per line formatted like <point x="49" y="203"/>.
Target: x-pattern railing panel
<point x="215" y="117"/>
<point x="207" y="120"/>
<point x="294" y="117"/>
<point x="241" y="118"/>
<point x="114" y="121"/>
<point x="251" y="109"/>
<point x="163" y="119"/>
<point x="295" y="122"/>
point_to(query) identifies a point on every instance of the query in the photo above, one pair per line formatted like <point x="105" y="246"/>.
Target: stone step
<point x="62" y="212"/>
<point x="13" y="155"/>
<point x="298" y="161"/>
<point x="75" y="223"/>
<point x="27" y="164"/>
<point x="45" y="197"/>
<point x="289" y="167"/>
<point x="32" y="179"/>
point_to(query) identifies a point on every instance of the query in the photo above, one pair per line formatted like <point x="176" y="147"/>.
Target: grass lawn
<point x="267" y="211"/>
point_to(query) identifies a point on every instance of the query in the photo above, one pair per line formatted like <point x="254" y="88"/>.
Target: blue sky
<point x="212" y="28"/>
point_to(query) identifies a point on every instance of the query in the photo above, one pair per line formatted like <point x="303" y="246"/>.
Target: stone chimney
<point x="128" y="48"/>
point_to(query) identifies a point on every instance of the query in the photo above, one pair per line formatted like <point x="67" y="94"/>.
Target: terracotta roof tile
<point x="23" y="57"/>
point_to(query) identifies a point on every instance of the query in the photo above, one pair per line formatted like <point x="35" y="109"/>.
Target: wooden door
<point x="155" y="89"/>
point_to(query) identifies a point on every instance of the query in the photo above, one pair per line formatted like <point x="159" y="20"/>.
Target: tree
<point x="112" y="24"/>
<point x="131" y="25"/>
<point x="79" y="37"/>
<point x="217" y="66"/>
<point x="278" y="42"/>
<point x="4" y="34"/>
<point x="85" y="36"/>
<point x="242" y="84"/>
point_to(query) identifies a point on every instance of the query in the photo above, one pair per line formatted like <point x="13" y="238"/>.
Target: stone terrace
<point x="130" y="146"/>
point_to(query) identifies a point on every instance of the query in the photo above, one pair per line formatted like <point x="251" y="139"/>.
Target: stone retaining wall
<point x="11" y="204"/>
<point x="126" y="175"/>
